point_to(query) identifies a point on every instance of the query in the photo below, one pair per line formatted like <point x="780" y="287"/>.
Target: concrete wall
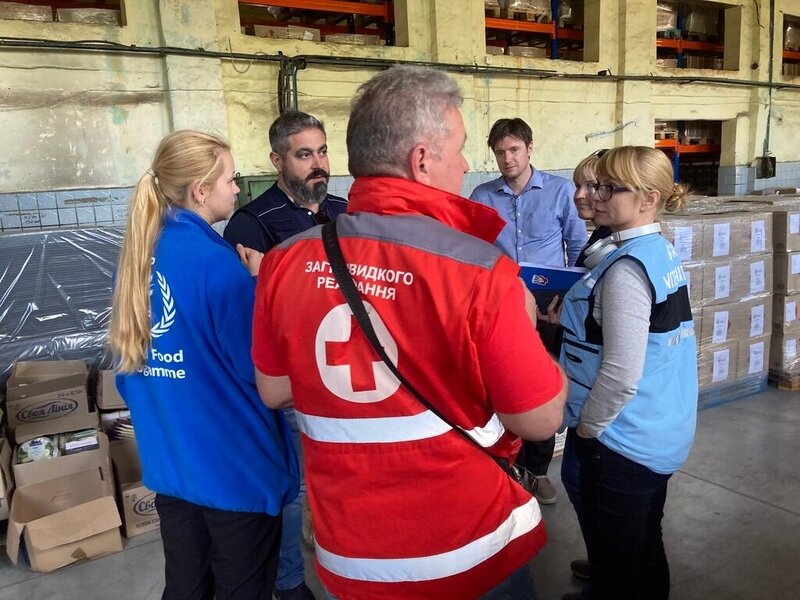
<point x="90" y="121"/>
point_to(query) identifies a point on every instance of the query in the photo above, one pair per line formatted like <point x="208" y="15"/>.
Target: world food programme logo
<point x="539" y="280"/>
<point x="167" y="305"/>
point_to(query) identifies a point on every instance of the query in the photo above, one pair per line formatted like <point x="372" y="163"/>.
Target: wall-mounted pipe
<point x="372" y="63"/>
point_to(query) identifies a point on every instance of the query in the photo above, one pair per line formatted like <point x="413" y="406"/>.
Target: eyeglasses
<point x="605" y="191"/>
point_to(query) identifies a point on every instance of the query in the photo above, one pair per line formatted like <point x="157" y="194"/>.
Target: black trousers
<point x="216" y="553"/>
<point x="536" y="456"/>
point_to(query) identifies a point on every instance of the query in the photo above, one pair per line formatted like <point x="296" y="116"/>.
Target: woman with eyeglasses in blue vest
<point x="629" y="351"/>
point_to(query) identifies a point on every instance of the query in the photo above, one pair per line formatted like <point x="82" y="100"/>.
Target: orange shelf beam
<point x="697" y="149"/>
<point x="684" y="45"/>
<point x="570" y="34"/>
<point x="668" y="43"/>
<point x="791" y="55"/>
<point x="512" y="25"/>
<point x="671" y="144"/>
<point x="336" y="6"/>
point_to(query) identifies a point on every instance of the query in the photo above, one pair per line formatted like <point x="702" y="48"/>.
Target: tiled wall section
<point x="75" y="208"/>
<point x="741" y="179"/>
<point x="63" y="209"/>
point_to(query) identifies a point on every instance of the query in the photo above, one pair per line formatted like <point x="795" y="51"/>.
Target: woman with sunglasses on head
<point x="629" y="350"/>
<point x="221" y="463"/>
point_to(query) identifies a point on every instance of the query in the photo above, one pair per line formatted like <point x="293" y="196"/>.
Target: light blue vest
<point x="656" y="427"/>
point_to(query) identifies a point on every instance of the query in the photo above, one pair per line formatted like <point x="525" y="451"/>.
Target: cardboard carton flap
<point x="74" y="524"/>
<point x="26" y="372"/>
<point x="6" y="481"/>
<point x="13" y="534"/>
<point x="28" y="431"/>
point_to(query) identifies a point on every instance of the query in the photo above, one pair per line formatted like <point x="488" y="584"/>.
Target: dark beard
<point x="305" y="194"/>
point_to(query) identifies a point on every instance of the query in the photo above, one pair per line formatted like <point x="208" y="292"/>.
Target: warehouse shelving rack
<point x="548" y="33"/>
<point x="678" y="43"/>
<point x="341" y="16"/>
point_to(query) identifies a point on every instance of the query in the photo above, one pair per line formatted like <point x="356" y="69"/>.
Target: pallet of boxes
<point x="63" y="508"/>
<point x="784" y="362"/>
<point x="727" y="258"/>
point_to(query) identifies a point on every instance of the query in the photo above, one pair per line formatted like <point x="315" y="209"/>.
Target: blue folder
<point x="545" y="282"/>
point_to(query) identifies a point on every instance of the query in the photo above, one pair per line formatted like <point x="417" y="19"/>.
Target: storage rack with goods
<point x="368" y="22"/>
<point x="87" y="12"/>
<point x="791" y="45"/>
<point x="694" y="147"/>
<point x="527" y="28"/>
<point x="690" y="35"/>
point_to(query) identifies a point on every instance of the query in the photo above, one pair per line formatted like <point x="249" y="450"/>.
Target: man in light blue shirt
<point x="541" y="220"/>
<point x="542" y="227"/>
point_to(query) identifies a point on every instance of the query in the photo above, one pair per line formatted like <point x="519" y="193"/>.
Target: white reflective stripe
<point x="522" y="520"/>
<point x="368" y="431"/>
<point x="488" y="435"/>
<point x="390" y="429"/>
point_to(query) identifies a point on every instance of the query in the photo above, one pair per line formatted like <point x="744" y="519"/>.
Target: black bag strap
<point x="330" y="240"/>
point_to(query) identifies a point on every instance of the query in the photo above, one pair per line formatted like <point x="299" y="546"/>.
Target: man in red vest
<point x="403" y="506"/>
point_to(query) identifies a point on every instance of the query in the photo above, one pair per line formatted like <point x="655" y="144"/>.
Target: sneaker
<point x="580" y="569"/>
<point x="542" y="489"/>
<point x="301" y="592"/>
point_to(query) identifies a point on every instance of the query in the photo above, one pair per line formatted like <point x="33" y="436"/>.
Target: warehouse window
<point x="88" y="12"/>
<point x="365" y="22"/>
<point x="698" y="35"/>
<point x="791" y="45"/>
<point x="530" y="28"/>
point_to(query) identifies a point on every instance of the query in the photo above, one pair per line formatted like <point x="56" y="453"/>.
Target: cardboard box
<point x="685" y="234"/>
<point x="753" y="357"/>
<point x="360" y="39"/>
<point x="783" y="353"/>
<point x="46" y="390"/>
<point x="6" y="481"/>
<point x="42" y="470"/>
<point x="717" y="364"/>
<point x="64" y="520"/>
<point x="137" y="503"/>
<point x="694" y="281"/>
<point x="786" y="230"/>
<point x="735" y="279"/>
<point x="787" y="272"/>
<point x="291" y="32"/>
<point x="736" y="321"/>
<point x="737" y="234"/>
<point x="786" y="313"/>
<point x="108" y="397"/>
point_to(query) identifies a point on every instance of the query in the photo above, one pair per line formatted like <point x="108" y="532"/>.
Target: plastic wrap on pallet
<point x="787" y="272"/>
<point x="702" y="21"/>
<point x="25" y="12"/>
<point x="88" y="16"/>
<point x="784" y="359"/>
<point x="56" y="295"/>
<point x="534" y="6"/>
<point x="739" y="320"/>
<point x="791" y="36"/>
<point x="666" y="17"/>
<point x="731" y="390"/>
<point x="786" y="313"/>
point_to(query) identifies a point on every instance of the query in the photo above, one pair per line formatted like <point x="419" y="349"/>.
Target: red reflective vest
<point x="402" y="506"/>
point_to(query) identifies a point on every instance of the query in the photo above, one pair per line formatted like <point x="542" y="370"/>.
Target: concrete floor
<point x="732" y="524"/>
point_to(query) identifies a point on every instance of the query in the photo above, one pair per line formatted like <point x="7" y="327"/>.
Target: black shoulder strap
<point x="330" y="240"/>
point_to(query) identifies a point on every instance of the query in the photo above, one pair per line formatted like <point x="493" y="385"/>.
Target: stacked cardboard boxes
<point x="727" y="258"/>
<point x="63" y="508"/>
<point x="784" y="361"/>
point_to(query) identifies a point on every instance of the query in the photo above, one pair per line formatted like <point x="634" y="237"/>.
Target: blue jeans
<point x="621" y="508"/>
<point x="290" y="561"/>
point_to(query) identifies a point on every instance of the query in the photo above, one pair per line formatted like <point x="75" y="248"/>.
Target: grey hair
<point x="288" y="124"/>
<point x="392" y="112"/>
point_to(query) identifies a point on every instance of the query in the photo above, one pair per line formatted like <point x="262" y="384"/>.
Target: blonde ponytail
<point x="182" y="158"/>
<point x="677" y="198"/>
